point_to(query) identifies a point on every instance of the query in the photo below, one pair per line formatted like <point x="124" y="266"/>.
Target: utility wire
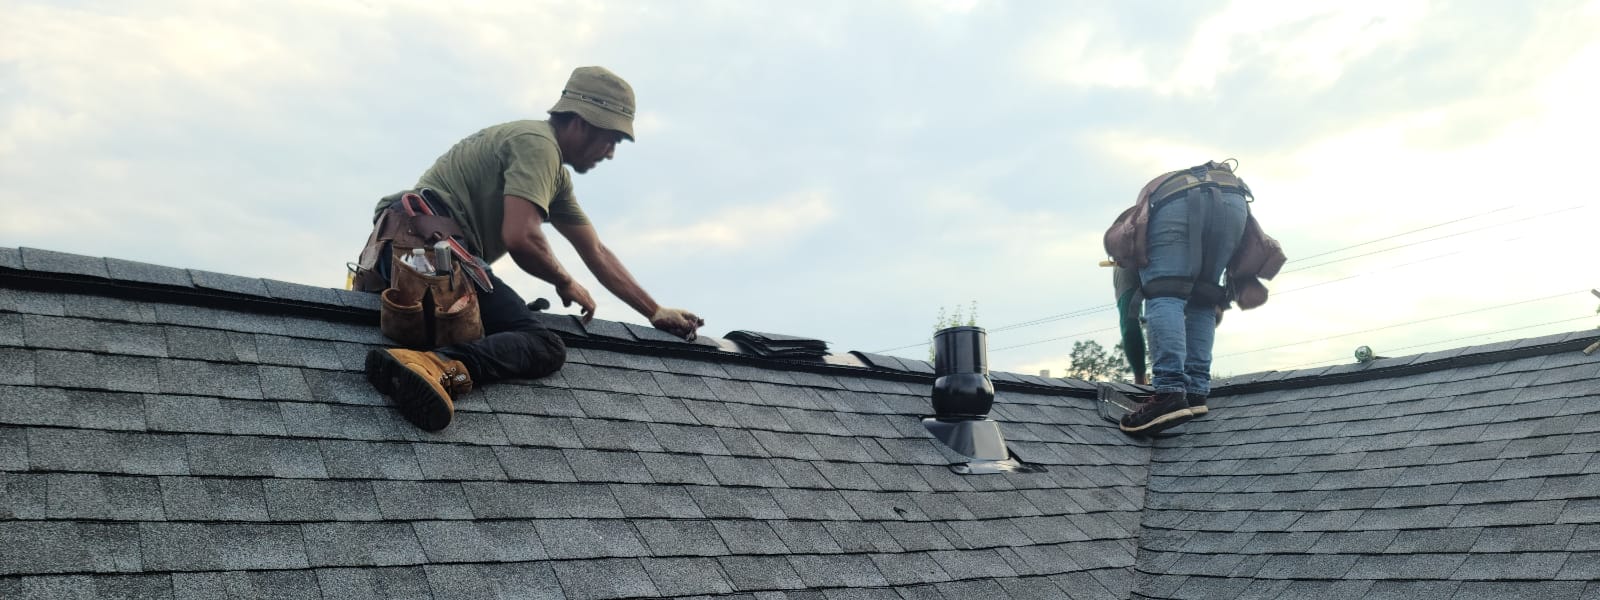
<point x="1065" y="337"/>
<point x="1403" y="233"/>
<point x="1403" y="324"/>
<point x="1454" y="339"/>
<point x="1105" y="307"/>
<point x="1447" y="236"/>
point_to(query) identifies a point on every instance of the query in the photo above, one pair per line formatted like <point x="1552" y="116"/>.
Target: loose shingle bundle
<point x="772" y="345"/>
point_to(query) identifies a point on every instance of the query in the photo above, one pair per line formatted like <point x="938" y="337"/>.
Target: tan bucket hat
<point x="600" y="97"/>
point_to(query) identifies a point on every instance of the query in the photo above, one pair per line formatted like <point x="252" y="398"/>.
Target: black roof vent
<point x="962" y="397"/>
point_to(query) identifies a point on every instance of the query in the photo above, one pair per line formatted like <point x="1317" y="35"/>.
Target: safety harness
<point x="1202" y="186"/>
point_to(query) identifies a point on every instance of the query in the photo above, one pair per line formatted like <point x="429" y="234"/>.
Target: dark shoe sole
<point x="409" y="392"/>
<point x="1161" y="422"/>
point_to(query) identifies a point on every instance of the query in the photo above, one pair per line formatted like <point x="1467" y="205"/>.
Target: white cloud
<point x="1306" y="44"/>
<point x="742" y="227"/>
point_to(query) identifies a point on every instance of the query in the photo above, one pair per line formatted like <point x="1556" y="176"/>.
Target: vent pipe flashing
<point x="962" y="398"/>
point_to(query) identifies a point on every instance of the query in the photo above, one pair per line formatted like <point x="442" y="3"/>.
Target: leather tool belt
<point x="421" y="310"/>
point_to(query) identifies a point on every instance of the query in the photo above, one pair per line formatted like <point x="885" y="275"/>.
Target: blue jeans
<point x="1181" y="335"/>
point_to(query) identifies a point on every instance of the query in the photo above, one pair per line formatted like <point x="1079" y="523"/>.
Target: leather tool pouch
<point x="419" y="311"/>
<point x="428" y="311"/>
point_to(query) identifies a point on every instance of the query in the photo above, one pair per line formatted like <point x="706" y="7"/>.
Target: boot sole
<point x="1184" y="414"/>
<point x="409" y="392"/>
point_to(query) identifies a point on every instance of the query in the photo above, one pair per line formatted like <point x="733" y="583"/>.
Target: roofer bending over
<point x="1186" y="228"/>
<point x="491" y="193"/>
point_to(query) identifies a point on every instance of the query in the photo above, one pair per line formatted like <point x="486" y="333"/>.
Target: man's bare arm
<point x="530" y="249"/>
<point x="615" y="277"/>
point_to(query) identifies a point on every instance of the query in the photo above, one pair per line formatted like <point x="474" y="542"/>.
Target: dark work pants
<point x="515" y="345"/>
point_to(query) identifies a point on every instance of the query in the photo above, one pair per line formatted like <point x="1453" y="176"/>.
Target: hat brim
<point x="596" y="116"/>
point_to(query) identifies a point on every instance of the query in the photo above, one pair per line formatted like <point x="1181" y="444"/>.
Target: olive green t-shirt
<point x="519" y="159"/>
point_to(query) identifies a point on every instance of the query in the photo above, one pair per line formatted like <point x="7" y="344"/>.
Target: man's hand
<point x="676" y="321"/>
<point x="573" y="291"/>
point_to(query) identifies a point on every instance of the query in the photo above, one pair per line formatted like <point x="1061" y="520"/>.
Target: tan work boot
<point x="419" y="383"/>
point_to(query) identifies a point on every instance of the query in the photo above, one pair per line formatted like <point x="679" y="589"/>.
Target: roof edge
<point x="1383" y="368"/>
<point x="52" y="271"/>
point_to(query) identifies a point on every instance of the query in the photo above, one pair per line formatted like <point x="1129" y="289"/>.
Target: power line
<point x="1065" y="337"/>
<point x="1403" y="233"/>
<point x="1442" y="237"/>
<point x="1403" y="324"/>
<point x="1105" y="307"/>
<point x="1454" y="339"/>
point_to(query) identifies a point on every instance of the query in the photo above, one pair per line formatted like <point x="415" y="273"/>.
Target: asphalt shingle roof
<point x="173" y="433"/>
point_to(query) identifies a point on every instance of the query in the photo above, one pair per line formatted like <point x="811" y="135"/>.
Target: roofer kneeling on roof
<point x="486" y="197"/>
<point x="1184" y="229"/>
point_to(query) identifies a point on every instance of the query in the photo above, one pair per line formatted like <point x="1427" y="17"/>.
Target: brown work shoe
<point x="419" y="383"/>
<point x="1167" y="410"/>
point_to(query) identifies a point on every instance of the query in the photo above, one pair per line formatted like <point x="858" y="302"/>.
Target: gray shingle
<point x="688" y="439"/>
<point x="677" y="468"/>
<point x="534" y="464"/>
<point x="741" y="443"/>
<point x="858" y="537"/>
<point x="681" y="538"/>
<point x="487" y="541"/>
<point x="59" y="547"/>
<point x="510" y="580"/>
<point x="656" y="501"/>
<point x="908" y="569"/>
<point x="751" y="472"/>
<point x="1486" y="590"/>
<point x="918" y="536"/>
<point x="1541" y="538"/>
<point x="750" y="537"/>
<point x="573" y="538"/>
<point x="361" y="544"/>
<point x="1530" y="565"/>
<point x="49" y="261"/>
<point x="681" y="576"/>
<point x="736" y="503"/>
<point x="397" y="583"/>
<point x="23" y="496"/>
<point x="315" y="500"/>
<point x="245" y="584"/>
<point x="209" y="499"/>
<point x="534" y="400"/>
<point x="800" y="474"/>
<point x="515" y="500"/>
<point x="1405" y="566"/>
<point x="787" y="445"/>
<point x="711" y="413"/>
<point x="1521" y="513"/>
<point x="822" y="505"/>
<point x="760" y="573"/>
<point x="607" y="466"/>
<point x="413" y="500"/>
<point x="219" y="546"/>
<point x="456" y="461"/>
<point x="369" y="460"/>
<point x="806" y="537"/>
<point x="206" y="378"/>
<point x="846" y="570"/>
<point x="550" y="432"/>
<point x="596" y="579"/>
<point x="106" y="452"/>
<point x="972" y="564"/>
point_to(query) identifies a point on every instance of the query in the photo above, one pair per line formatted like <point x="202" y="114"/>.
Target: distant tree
<point x="1091" y="362"/>
<point x="953" y="319"/>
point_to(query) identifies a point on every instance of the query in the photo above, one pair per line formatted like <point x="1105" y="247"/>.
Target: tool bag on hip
<point x="421" y="310"/>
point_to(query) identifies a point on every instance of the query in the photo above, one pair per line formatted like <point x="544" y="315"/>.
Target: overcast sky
<point x="843" y="170"/>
